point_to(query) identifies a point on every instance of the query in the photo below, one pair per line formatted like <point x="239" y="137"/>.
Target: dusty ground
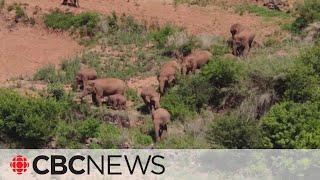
<point x="25" y="49"/>
<point x="197" y="20"/>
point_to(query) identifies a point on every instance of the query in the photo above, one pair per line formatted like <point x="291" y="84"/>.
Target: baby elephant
<point x="83" y="76"/>
<point x="100" y="88"/>
<point x="242" y="43"/>
<point x="161" y="118"/>
<point x="151" y="98"/>
<point x="195" y="61"/>
<point x="168" y="74"/>
<point x="117" y="101"/>
<point x="242" y="39"/>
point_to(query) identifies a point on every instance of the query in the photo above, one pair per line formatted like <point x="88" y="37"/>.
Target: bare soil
<point x="25" y="49"/>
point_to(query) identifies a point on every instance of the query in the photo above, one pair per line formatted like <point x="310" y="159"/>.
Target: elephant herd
<point x="113" y="89"/>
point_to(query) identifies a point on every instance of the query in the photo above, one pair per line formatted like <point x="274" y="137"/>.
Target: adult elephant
<point x="100" y="88"/>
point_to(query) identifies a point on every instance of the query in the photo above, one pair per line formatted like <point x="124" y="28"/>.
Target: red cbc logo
<point x="19" y="164"/>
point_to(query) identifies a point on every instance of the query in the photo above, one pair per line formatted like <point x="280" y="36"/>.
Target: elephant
<point x="151" y="98"/>
<point x="236" y="29"/>
<point x="100" y="88"/>
<point x="74" y="3"/>
<point x="242" y="43"/>
<point x="83" y="76"/>
<point x="195" y="61"/>
<point x="117" y="101"/>
<point x="168" y="74"/>
<point x="160" y="118"/>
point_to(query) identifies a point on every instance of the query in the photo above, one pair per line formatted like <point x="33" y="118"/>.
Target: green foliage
<point x="132" y="95"/>
<point x="260" y="11"/>
<point x="302" y="84"/>
<point x="47" y="74"/>
<point x="291" y="125"/>
<point x="86" y="23"/>
<point x="160" y="37"/>
<point x="26" y="120"/>
<point x="121" y="31"/>
<point x="222" y="72"/>
<point x="193" y="2"/>
<point x="65" y="134"/>
<point x="88" y="128"/>
<point x="19" y="12"/>
<point x="188" y="97"/>
<point x="139" y="139"/>
<point x="109" y="136"/>
<point x="56" y="90"/>
<point x="233" y="132"/>
<point x="181" y="142"/>
<point x="308" y="13"/>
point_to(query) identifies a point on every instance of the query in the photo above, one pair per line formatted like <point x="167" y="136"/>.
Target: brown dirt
<point x="196" y="20"/>
<point x="24" y="49"/>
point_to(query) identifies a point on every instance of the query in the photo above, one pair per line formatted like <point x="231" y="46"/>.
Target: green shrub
<point x="26" y="120"/>
<point x="291" y="125"/>
<point x="139" y="139"/>
<point x="56" y="90"/>
<point x="308" y="13"/>
<point x="190" y="95"/>
<point x="65" y="135"/>
<point x="181" y="142"/>
<point x="193" y="2"/>
<point x="222" y="72"/>
<point x="88" y="128"/>
<point x="69" y="68"/>
<point x="109" y="136"/>
<point x="161" y="37"/>
<point x="260" y="11"/>
<point x="47" y="74"/>
<point x="233" y="132"/>
<point x="86" y="23"/>
<point x="302" y="84"/>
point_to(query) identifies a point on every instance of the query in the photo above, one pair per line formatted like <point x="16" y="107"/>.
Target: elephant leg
<point x="99" y="96"/>
<point x="64" y="2"/>
<point x="235" y="48"/>
<point x="171" y="79"/>
<point x="246" y="49"/>
<point x="157" y="129"/>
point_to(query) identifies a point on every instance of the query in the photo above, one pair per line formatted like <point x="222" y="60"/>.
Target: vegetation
<point x="193" y="2"/>
<point x="263" y="101"/>
<point x="308" y="12"/>
<point x="85" y="23"/>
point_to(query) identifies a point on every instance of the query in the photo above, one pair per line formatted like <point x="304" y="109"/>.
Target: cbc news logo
<point x="19" y="164"/>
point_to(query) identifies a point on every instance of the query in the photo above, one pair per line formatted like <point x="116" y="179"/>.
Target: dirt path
<point x="196" y="20"/>
<point x="24" y="49"/>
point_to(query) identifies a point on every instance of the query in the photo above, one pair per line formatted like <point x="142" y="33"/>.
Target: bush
<point x="302" y="85"/>
<point x="88" y="128"/>
<point x="86" y="23"/>
<point x="56" y="90"/>
<point x="291" y="125"/>
<point x="161" y="37"/>
<point x="222" y="72"/>
<point x="47" y="74"/>
<point x="190" y="95"/>
<point x="109" y="136"/>
<point x="65" y="134"/>
<point x="235" y="133"/>
<point x="260" y="11"/>
<point x="308" y="13"/>
<point x="26" y="120"/>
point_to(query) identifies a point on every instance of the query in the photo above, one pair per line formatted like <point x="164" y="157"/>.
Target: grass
<point x="2" y="4"/>
<point x="260" y="11"/>
<point x="193" y="2"/>
<point x="85" y="23"/>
